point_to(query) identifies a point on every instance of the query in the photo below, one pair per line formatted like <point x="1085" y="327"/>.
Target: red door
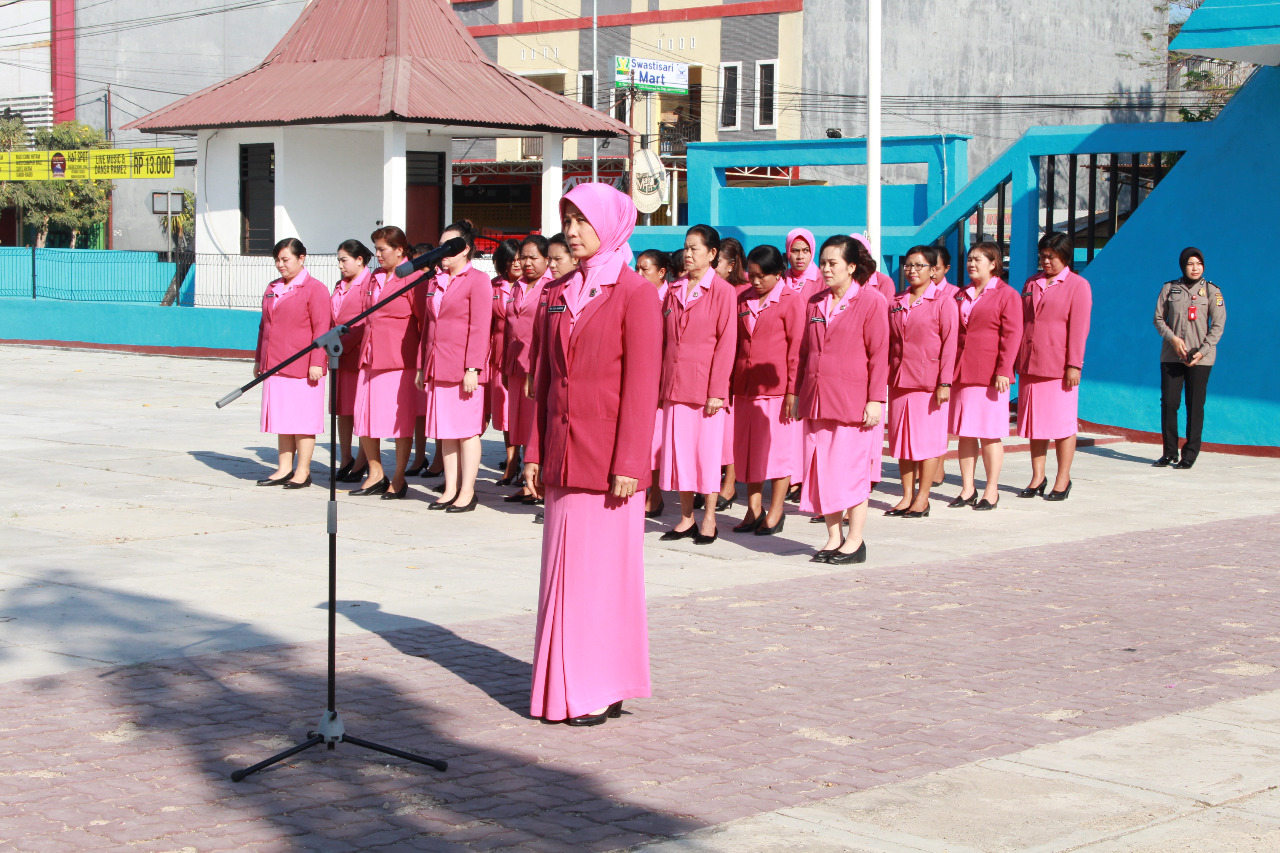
<point x="423" y="218"/>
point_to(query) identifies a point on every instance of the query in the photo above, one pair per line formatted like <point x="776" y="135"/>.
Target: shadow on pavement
<point x="156" y="742"/>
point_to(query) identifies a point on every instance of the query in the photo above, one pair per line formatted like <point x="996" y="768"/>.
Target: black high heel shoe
<point x="1055" y="495"/>
<point x="304" y="484"/>
<point x="958" y="501"/>
<point x="428" y="474"/>
<point x="895" y="512"/>
<point x="614" y="710"/>
<point x="343" y="471"/>
<point x="748" y="526"/>
<point x="354" y="476"/>
<point x="277" y="482"/>
<point x="985" y="505"/>
<point x="673" y="534"/>
<point x="723" y="503"/>
<point x="762" y="530"/>
<point x="416" y="469"/>
<point x="912" y="514"/>
<point x="656" y="513"/>
<point x="700" y="539"/>
<point x="842" y="558"/>
<point x="1034" y="491"/>
<point x="517" y="498"/>
<point x="440" y="505"/>
<point x="823" y="556"/>
<point x="389" y="495"/>
<point x="467" y="507"/>
<point x="377" y="488"/>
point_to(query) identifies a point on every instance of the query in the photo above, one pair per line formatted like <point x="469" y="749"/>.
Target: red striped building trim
<point x="633" y="19"/>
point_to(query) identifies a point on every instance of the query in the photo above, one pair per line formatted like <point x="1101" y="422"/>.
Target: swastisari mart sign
<point x="651" y="75"/>
<point x="106" y="164"/>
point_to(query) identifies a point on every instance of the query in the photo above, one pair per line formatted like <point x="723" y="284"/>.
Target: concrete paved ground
<point x="151" y="593"/>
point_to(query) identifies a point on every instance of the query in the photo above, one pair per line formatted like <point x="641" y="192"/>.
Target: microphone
<point x="448" y="249"/>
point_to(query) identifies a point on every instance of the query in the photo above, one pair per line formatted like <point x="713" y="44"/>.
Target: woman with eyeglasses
<point x="699" y="337"/>
<point x="843" y="374"/>
<point x="922" y="360"/>
<point x="453" y="365"/>
<point x="1055" y="326"/>
<point x="990" y="332"/>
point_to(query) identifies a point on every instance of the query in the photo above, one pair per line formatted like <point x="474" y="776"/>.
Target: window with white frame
<point x="587" y="88"/>
<point x="730" y="95"/>
<point x="622" y="104"/>
<point x="766" y="94"/>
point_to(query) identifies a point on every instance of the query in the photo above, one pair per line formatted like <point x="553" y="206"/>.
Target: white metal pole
<point x="874" y="24"/>
<point x="595" y="90"/>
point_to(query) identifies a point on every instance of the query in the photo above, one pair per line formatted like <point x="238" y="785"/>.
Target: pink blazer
<point x="457" y="327"/>
<point x="922" y="341"/>
<point x="392" y="333"/>
<point x="988" y="343"/>
<point x="597" y="386"/>
<point x="884" y="284"/>
<point x="768" y="358"/>
<point x="290" y="321"/>
<point x="349" y="305"/>
<point x="519" y="321"/>
<point x="498" y="324"/>
<point x="1055" y="327"/>
<point x="698" y="344"/>
<point x="846" y="364"/>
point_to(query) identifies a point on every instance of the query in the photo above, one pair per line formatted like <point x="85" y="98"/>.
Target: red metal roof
<point x="380" y="60"/>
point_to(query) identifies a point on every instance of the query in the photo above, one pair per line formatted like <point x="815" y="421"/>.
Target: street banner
<point x="82" y="165"/>
<point x="651" y="75"/>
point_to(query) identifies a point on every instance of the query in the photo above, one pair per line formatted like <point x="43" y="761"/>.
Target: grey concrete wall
<point x="478" y="14"/>
<point x="746" y="39"/>
<point x="980" y="47"/>
<point x="149" y="67"/>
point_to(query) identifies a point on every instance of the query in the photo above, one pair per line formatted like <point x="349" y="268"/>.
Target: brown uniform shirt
<point x="1173" y="318"/>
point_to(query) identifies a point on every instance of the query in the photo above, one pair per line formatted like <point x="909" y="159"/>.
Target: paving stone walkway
<point x="766" y="695"/>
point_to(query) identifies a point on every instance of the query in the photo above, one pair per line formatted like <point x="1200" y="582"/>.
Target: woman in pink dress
<point x="522" y="310"/>
<point x="889" y="290"/>
<point x="453" y="364"/>
<point x="731" y="265"/>
<point x="699" y="338"/>
<point x="653" y="266"/>
<point x="843" y="375"/>
<point x="768" y="441"/>
<point x="597" y="389"/>
<point x="347" y="299"/>
<point x="295" y="311"/>
<point x="922" y="361"/>
<point x="386" y="401"/>
<point x="990" y="331"/>
<point x="1055" y="325"/>
<point x="507" y="264"/>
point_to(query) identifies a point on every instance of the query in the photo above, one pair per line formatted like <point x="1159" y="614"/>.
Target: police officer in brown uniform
<point x="1190" y="315"/>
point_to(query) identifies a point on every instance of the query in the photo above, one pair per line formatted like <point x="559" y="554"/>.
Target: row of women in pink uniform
<point x="421" y="357"/>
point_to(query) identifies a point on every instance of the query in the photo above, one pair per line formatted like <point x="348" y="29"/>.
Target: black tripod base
<point x="331" y="732"/>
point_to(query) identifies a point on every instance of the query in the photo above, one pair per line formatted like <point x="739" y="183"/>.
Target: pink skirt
<point x="877" y="458"/>
<point x="657" y="441"/>
<point x="347" y="381"/>
<point x="726" y="454"/>
<point x="451" y="412"/>
<point x="917" y="425"/>
<point x="592" y="643"/>
<point x="837" y="465"/>
<point x="498" y="403"/>
<point x="520" y="410"/>
<point x="766" y="447"/>
<point x="1047" y="408"/>
<point x="386" y="403"/>
<point x="293" y="405"/>
<point x="979" y="411"/>
<point x="692" y="445"/>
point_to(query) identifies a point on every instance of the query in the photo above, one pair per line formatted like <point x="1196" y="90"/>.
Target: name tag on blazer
<point x="896" y="310"/>
<point x="666" y="313"/>
<point x="556" y="309"/>
<point x="743" y="313"/>
<point x="817" y="319"/>
<point x="269" y="296"/>
<point x="1174" y="291"/>
<point x="497" y="295"/>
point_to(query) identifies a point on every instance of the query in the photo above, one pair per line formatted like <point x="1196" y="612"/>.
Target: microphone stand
<point x="330" y="731"/>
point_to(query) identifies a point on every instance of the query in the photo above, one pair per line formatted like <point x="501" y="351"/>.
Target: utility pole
<point x="595" y="90"/>
<point x="874" y="24"/>
<point x="106" y="114"/>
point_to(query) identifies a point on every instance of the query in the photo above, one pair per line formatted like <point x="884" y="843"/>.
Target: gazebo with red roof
<point x="349" y="124"/>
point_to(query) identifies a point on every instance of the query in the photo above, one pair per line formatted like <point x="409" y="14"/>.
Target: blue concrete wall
<point x="1218" y="199"/>
<point x="127" y="325"/>
<point x="86" y="275"/>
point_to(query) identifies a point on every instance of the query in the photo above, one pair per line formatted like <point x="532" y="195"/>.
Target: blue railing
<point x="87" y="275"/>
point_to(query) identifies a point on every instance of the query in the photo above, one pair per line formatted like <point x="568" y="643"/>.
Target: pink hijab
<point x="613" y="215"/>
<point x="811" y="272"/>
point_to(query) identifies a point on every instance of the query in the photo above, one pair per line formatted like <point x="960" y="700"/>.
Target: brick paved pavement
<point x="766" y="695"/>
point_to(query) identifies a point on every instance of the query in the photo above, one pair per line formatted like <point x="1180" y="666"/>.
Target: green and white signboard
<point x="651" y="75"/>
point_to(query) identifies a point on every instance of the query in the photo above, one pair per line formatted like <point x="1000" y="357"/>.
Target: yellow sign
<point x="81" y="165"/>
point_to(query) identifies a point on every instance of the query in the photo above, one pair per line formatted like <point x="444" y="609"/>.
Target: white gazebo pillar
<point x="552" y="181"/>
<point x="395" y="175"/>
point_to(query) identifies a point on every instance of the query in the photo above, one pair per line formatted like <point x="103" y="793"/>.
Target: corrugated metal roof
<point x="380" y="60"/>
